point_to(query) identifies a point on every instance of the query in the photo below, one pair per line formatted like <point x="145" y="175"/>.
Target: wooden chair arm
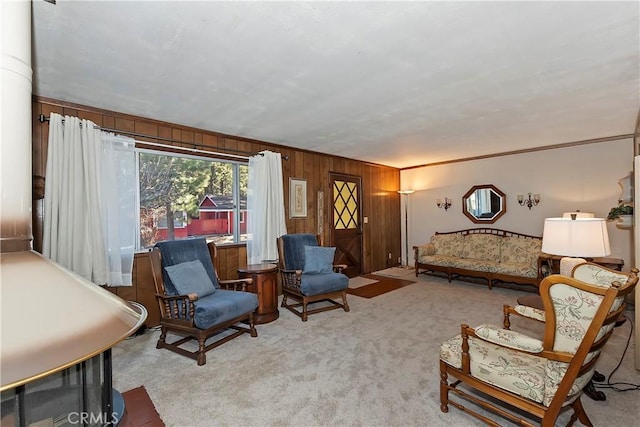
<point x="466" y="331"/>
<point x="188" y="297"/>
<point x="236" y="284"/>
<point x="509" y="339"/>
<point x="508" y="310"/>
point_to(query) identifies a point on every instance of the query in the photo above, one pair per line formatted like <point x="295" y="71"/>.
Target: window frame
<point x="235" y="185"/>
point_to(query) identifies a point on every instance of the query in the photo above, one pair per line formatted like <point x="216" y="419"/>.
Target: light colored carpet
<point x="396" y="272"/>
<point x="358" y="282"/>
<point x="376" y="365"/>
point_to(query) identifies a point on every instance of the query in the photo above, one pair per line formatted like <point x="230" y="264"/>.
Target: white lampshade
<point x="578" y="214"/>
<point x="584" y="237"/>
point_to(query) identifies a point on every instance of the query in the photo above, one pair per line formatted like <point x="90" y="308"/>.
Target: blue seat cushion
<point x="316" y="284"/>
<point x="221" y="306"/>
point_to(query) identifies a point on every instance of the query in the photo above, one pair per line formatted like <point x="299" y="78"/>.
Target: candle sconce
<point x="531" y="200"/>
<point x="446" y="204"/>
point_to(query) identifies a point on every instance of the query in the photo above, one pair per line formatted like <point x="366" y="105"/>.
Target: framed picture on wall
<point x="297" y="198"/>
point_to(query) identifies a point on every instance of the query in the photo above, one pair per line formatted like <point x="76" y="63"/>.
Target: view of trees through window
<point x="183" y="197"/>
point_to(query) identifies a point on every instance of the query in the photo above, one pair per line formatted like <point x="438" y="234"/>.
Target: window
<point x="186" y="196"/>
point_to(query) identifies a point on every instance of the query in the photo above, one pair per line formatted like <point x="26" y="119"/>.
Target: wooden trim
<point x="131" y="117"/>
<point x="488" y="230"/>
<point x="526" y="150"/>
<point x="184" y="128"/>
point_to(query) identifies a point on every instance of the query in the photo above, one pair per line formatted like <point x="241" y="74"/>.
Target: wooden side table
<point x="612" y="263"/>
<point x="553" y="263"/>
<point x="265" y="285"/>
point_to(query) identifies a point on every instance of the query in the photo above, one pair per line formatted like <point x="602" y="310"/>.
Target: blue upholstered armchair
<point x="309" y="276"/>
<point x="194" y="302"/>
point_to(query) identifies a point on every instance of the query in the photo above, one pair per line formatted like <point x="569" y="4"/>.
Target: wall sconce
<point x="444" y="205"/>
<point x="529" y="201"/>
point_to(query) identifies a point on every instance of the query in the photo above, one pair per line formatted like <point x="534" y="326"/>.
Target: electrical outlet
<point x="389" y="255"/>
<point x="399" y="260"/>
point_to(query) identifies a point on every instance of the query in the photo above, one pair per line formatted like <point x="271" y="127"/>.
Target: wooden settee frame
<point x="468" y="275"/>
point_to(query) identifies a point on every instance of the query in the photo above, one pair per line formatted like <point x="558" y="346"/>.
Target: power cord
<point x="620" y="386"/>
<point x="143" y="330"/>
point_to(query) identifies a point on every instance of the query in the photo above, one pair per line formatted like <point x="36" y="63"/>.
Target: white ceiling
<point x="395" y="83"/>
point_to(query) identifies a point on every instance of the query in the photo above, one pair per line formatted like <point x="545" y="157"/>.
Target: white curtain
<point x="89" y="222"/>
<point x="265" y="203"/>
<point x="119" y="188"/>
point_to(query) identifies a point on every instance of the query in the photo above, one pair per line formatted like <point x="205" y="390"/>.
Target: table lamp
<point x="579" y="237"/>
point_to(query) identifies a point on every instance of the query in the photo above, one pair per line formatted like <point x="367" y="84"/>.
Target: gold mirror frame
<point x="498" y="202"/>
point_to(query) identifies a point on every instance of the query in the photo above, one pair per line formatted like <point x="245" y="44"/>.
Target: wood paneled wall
<point x="380" y="201"/>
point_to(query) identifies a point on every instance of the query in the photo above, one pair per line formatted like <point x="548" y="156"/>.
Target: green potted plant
<point x="622" y="212"/>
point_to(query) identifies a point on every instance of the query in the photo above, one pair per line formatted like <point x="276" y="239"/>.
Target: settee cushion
<point x="520" y="269"/>
<point x="426" y="249"/>
<point x="222" y="306"/>
<point x="482" y="246"/>
<point x="440" y="260"/>
<point x="318" y="259"/>
<point x="519" y="250"/>
<point x="475" y="264"/>
<point x="190" y="277"/>
<point x="448" y="244"/>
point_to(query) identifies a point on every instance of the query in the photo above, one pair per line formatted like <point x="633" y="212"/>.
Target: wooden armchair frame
<point x="576" y="361"/>
<point x="291" y="281"/>
<point x="177" y="314"/>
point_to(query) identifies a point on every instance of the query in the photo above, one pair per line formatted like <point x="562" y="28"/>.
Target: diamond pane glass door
<point x="346" y="230"/>
<point x="345" y="205"/>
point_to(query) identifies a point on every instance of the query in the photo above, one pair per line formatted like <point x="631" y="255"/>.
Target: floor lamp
<point x="406" y="222"/>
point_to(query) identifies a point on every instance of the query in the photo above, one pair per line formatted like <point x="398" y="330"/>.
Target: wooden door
<point x="346" y="221"/>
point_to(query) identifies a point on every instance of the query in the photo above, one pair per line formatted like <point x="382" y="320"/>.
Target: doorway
<point x="346" y="221"/>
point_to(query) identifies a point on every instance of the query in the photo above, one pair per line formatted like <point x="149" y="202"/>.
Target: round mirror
<point x="484" y="204"/>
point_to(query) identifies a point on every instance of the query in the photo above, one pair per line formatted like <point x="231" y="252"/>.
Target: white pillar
<point x="636" y="234"/>
<point x="15" y="126"/>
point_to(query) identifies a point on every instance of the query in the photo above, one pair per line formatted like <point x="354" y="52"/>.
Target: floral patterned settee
<point x="489" y="253"/>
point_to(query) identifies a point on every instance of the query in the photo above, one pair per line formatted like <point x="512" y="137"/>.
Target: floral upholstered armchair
<point x="538" y="376"/>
